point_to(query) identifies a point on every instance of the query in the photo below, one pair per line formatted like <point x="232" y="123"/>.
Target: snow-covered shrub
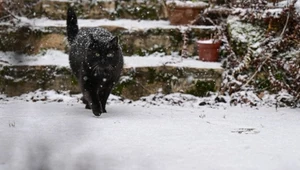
<point x="9" y="9"/>
<point x="271" y="62"/>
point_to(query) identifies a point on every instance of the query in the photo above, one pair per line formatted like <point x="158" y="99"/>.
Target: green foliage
<point x="202" y="88"/>
<point x="118" y="89"/>
<point x="263" y="53"/>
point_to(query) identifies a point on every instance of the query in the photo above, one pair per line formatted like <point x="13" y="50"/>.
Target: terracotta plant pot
<point x="208" y="50"/>
<point x="181" y="13"/>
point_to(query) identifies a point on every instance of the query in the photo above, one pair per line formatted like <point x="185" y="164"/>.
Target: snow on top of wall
<point x="297" y="6"/>
<point x="275" y="13"/>
<point x="209" y="41"/>
<point x="64" y="0"/>
<point x="131" y="25"/>
<point x="93" y="1"/>
<point x="287" y="3"/>
<point x="187" y="3"/>
<point x="54" y="57"/>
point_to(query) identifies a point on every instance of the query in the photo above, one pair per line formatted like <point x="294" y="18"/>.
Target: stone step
<point x="100" y="9"/>
<point x="137" y="37"/>
<point x="149" y="10"/>
<point x="135" y="83"/>
<point x="142" y="76"/>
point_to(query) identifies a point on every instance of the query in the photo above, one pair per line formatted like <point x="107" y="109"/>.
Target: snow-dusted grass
<point x="140" y="135"/>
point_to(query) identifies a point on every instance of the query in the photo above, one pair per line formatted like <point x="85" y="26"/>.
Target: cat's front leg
<point x="84" y="101"/>
<point x="93" y="101"/>
<point x="96" y="105"/>
<point x="103" y="96"/>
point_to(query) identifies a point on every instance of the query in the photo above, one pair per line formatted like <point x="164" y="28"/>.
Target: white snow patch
<point x="140" y="135"/>
<point x="54" y="57"/>
<point x="131" y="25"/>
<point x="297" y="6"/>
<point x="193" y="4"/>
<point x="44" y="96"/>
<point x="49" y="57"/>
<point x="209" y="41"/>
<point x="287" y="3"/>
<point x="275" y="13"/>
<point x="175" y="61"/>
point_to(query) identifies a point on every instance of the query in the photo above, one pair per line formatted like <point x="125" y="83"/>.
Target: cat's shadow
<point x="113" y="111"/>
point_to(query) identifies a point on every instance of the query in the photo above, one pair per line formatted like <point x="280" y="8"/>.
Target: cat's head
<point x="103" y="54"/>
<point x="103" y="49"/>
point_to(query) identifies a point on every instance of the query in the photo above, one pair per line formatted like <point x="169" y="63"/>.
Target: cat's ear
<point x="93" y="41"/>
<point x="114" y="41"/>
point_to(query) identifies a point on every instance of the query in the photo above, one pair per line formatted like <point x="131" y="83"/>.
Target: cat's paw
<point x="87" y="106"/>
<point x="97" y="110"/>
<point x="96" y="113"/>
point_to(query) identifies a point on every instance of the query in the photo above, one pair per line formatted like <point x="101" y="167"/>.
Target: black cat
<point x="96" y="60"/>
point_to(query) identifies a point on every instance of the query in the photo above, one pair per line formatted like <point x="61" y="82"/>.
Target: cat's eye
<point x="97" y="55"/>
<point x="110" y="55"/>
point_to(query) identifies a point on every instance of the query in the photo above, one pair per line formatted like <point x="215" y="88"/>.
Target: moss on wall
<point x="135" y="83"/>
<point x="148" y="10"/>
<point x="16" y="80"/>
<point x="137" y="11"/>
<point x="23" y="40"/>
<point x="202" y="88"/>
<point x="138" y="42"/>
<point x="57" y="10"/>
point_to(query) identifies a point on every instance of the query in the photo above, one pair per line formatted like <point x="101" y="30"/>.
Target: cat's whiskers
<point x="95" y="67"/>
<point x="98" y="70"/>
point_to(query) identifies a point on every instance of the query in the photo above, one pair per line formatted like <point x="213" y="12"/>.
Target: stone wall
<point x="146" y="10"/>
<point x="134" y="83"/>
<point x="139" y="42"/>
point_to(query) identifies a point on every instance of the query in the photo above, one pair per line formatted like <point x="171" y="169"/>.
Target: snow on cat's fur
<point x="96" y="60"/>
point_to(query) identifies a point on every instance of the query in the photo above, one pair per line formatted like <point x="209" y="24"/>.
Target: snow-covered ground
<point x="53" y="131"/>
<point x="47" y="130"/>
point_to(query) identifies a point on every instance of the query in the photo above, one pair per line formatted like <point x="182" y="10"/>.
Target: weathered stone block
<point x="148" y="10"/>
<point x="135" y="82"/>
<point x="57" y="10"/>
<point x="16" y="80"/>
<point x="138" y="42"/>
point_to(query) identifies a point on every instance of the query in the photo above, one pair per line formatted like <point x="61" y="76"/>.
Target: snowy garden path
<point x="38" y="135"/>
